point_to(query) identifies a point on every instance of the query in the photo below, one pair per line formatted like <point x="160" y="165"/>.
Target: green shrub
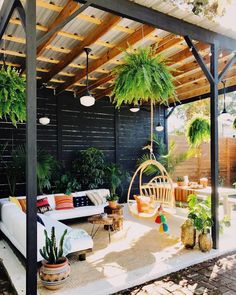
<point x="89" y="168"/>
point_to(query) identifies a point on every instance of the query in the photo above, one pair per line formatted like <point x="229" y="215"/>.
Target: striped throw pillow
<point x="63" y="202"/>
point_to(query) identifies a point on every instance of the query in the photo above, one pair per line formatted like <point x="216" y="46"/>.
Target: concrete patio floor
<point x="164" y="261"/>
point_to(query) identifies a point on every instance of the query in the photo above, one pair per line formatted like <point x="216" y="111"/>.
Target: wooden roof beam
<point x="102" y="29"/>
<point x="110" y="54"/>
<point x="203" y="86"/>
<point x="157" y="19"/>
<point x="68" y="9"/>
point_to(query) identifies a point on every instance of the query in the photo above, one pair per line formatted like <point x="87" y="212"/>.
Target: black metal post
<point x="31" y="147"/>
<point x="214" y="146"/>
<point x="59" y="128"/>
<point x="166" y="141"/>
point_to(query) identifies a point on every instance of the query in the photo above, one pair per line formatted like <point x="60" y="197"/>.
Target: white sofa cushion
<point x="13" y="225"/>
<point x="75" y="212"/>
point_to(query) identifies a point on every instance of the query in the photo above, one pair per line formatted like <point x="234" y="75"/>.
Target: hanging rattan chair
<point x="159" y="189"/>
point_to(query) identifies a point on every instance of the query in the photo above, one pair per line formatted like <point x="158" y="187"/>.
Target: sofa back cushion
<point x="43" y="205"/>
<point x="15" y="201"/>
<point x="23" y="204"/>
<point x="81" y="201"/>
<point x="64" y="202"/>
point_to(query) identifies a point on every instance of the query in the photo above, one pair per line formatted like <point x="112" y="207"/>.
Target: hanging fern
<point x="12" y="95"/>
<point x="234" y="124"/>
<point x="144" y="76"/>
<point x="198" y="130"/>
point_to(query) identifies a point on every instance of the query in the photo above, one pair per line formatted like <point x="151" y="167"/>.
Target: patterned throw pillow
<point x="63" y="202"/>
<point x="43" y="205"/>
<point x="82" y="201"/>
<point x="23" y="204"/>
<point x="15" y="201"/>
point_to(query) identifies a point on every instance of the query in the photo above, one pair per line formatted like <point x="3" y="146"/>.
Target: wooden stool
<point x="117" y="215"/>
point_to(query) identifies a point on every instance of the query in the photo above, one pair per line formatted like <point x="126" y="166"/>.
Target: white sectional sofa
<point x="13" y="225"/>
<point x="75" y="212"/>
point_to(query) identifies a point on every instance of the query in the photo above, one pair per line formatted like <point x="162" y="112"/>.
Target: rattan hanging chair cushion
<point x="144" y="204"/>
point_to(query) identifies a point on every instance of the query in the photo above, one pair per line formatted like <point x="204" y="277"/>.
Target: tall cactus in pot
<point x="50" y="251"/>
<point x="55" y="269"/>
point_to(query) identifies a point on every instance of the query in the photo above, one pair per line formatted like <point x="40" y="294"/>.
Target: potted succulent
<point x="200" y="214"/>
<point x="112" y="200"/>
<point x="55" y="268"/>
<point x="180" y="180"/>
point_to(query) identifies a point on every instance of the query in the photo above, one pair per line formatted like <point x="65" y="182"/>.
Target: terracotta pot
<point x="180" y="183"/>
<point x="112" y="204"/>
<point x="53" y="276"/>
<point x="188" y="234"/>
<point x="205" y="242"/>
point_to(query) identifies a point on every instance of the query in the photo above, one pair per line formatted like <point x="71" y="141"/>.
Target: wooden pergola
<point x="48" y="46"/>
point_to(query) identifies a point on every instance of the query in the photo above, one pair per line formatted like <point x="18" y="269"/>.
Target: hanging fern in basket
<point x="198" y="130"/>
<point x="144" y="76"/>
<point x="234" y="124"/>
<point x="12" y="95"/>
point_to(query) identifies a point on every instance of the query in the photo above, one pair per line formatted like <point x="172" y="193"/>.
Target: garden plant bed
<point x="215" y="277"/>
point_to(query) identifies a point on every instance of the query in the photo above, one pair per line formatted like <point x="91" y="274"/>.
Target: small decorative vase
<point x="54" y="276"/>
<point x="112" y="204"/>
<point x="180" y="183"/>
<point x="205" y="242"/>
<point x="188" y="234"/>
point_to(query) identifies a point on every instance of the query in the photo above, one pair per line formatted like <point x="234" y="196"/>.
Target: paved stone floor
<point x="5" y="284"/>
<point x="214" y="277"/>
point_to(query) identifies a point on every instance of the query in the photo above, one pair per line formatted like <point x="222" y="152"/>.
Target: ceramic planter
<point x="205" y="242"/>
<point x="112" y="204"/>
<point x="188" y="234"/>
<point x="53" y="276"/>
<point x="180" y="183"/>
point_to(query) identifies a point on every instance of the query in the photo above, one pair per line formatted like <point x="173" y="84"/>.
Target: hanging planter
<point x="145" y="77"/>
<point x="234" y="124"/>
<point x="12" y="95"/>
<point x="198" y="130"/>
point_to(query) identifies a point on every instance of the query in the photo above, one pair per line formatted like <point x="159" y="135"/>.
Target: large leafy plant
<point x="200" y="213"/>
<point x="12" y="95"/>
<point x="89" y="168"/>
<point x="15" y="169"/>
<point x="168" y="158"/>
<point x="144" y="76"/>
<point x="66" y="183"/>
<point x="198" y="130"/>
<point x="115" y="177"/>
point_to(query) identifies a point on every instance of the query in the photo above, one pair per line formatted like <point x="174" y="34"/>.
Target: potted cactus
<point x="112" y="200"/>
<point x="55" y="268"/>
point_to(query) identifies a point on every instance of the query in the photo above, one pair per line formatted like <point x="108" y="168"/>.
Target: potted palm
<point x="115" y="176"/>
<point x="112" y="200"/>
<point x="55" y="268"/>
<point x="200" y="214"/>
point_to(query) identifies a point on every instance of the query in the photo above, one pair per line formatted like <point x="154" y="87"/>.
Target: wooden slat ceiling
<point x="61" y="60"/>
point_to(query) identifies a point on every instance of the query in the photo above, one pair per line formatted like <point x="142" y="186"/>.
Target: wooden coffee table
<point x="98" y="220"/>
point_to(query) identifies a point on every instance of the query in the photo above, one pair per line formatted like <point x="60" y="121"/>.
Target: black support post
<point x="166" y="141"/>
<point x="31" y="147"/>
<point x="214" y="146"/>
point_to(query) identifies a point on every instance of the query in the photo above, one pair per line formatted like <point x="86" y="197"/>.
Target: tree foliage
<point x="12" y="95"/>
<point x="144" y="76"/>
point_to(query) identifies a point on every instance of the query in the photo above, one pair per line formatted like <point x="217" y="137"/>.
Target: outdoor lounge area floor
<point x="137" y="254"/>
